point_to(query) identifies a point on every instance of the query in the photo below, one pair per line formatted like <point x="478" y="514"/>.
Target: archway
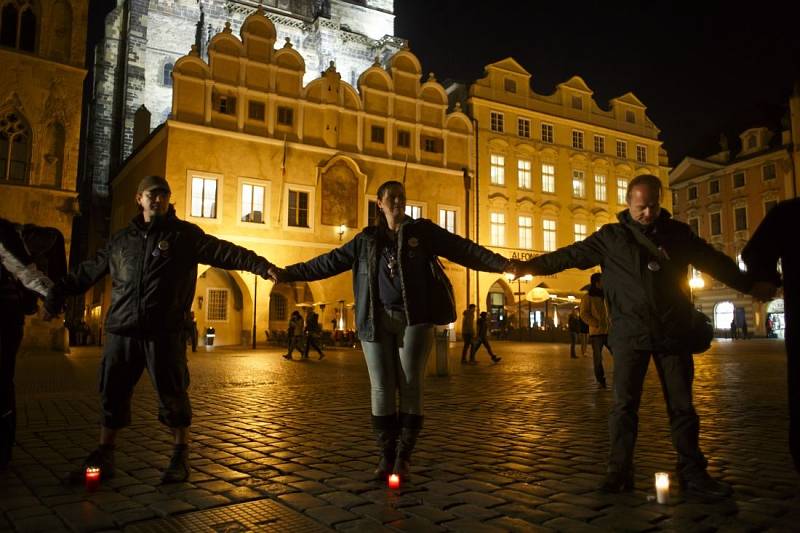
<point x="285" y="298"/>
<point x="776" y="321"/>
<point x="499" y="303"/>
<point x="222" y="301"/>
<point x="723" y="315"/>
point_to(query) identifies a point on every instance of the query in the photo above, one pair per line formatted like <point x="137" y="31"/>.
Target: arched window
<point x="15" y="142"/>
<point x="18" y="25"/>
<point x="723" y="315"/>
<point x="167" y="78"/>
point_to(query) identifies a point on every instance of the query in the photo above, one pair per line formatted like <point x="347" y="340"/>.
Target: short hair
<point x="471" y="306"/>
<point x="648" y="180"/>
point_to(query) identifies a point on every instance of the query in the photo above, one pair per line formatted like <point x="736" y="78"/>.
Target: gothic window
<point x="18" y="25"/>
<point x="166" y="79"/>
<point x="15" y="142"/>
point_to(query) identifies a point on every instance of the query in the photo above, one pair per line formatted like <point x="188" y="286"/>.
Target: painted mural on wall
<point x="340" y="197"/>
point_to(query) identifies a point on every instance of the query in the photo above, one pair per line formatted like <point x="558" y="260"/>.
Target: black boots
<point x="386" y="432"/>
<point x="410" y="426"/>
<point x="101" y="457"/>
<point x="178" y="469"/>
<point x="618" y="481"/>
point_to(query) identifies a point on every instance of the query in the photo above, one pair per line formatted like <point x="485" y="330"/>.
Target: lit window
<point x="577" y="139"/>
<point x="547" y="133"/>
<point x="414" y="211"/>
<point x="599" y="144"/>
<point x="217" y="307"/>
<point x="580" y="232"/>
<point x="447" y="219"/>
<point x="498" y="170"/>
<point x="524" y="127"/>
<point x="497" y="221"/>
<point x="692" y="193"/>
<point x="496" y="121"/>
<point x="738" y="180"/>
<point x="715" y="226"/>
<point x="641" y="153"/>
<point x="255" y="110"/>
<point x="298" y="209"/>
<point x="204" y="197"/>
<point x="768" y="171"/>
<point x="622" y="149"/>
<point x="377" y="134"/>
<point x="525" y="224"/>
<point x="600" y="188"/>
<point x="285" y="116"/>
<point x="622" y="191"/>
<point x="252" y="203"/>
<point x="524" y="174"/>
<point x="713" y="187"/>
<point x="548" y="178"/>
<point x="578" y="184"/>
<point x="549" y="234"/>
<point x="740" y="218"/>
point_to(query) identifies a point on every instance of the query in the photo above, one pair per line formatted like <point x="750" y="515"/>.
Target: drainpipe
<point x="477" y="212"/>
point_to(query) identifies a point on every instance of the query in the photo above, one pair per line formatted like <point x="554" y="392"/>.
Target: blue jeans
<point x="396" y="362"/>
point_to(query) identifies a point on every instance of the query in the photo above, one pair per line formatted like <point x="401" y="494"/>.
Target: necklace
<point x="390" y="254"/>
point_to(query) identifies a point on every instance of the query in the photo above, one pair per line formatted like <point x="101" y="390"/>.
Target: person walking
<point x="482" y="339"/>
<point x="21" y="283"/>
<point x="153" y="268"/>
<point x="769" y="245"/>
<point x="191" y="330"/>
<point x="467" y="331"/>
<point x="294" y="336"/>
<point x="312" y="334"/>
<point x="574" y="327"/>
<point x="644" y="259"/>
<point x="401" y="292"/>
<point x="594" y="313"/>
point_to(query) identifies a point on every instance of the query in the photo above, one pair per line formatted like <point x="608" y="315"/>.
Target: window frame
<point x="227" y="293"/>
<point x="456" y="216"/>
<point x="622" y="191"/>
<point x="641" y="153"/>
<point x="736" y="210"/>
<point x="744" y="179"/>
<point x="577" y="140"/>
<point x="281" y="113"/>
<point x="497" y="169"/>
<point x="527" y="229"/>
<point x="497" y="121"/>
<point x="582" y="180"/>
<point x="623" y="153"/>
<point x="711" y="216"/>
<point x="376" y="131"/>
<point x="241" y="181"/>
<point x="600" y="185"/>
<point x="312" y="204"/>
<point x="575" y="231"/>
<point x="599" y="142"/>
<point x="546" y="247"/>
<point x="774" y="167"/>
<point x="711" y="190"/>
<point x="551" y="178"/>
<point x="493" y="225"/>
<point x="522" y="171"/>
<point x="550" y="137"/>
<point x="220" y="207"/>
<point x="523" y="126"/>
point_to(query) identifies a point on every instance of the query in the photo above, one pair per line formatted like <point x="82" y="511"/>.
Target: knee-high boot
<point x="386" y="432"/>
<point x="410" y="426"/>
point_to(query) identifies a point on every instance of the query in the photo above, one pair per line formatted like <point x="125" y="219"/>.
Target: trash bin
<point x="442" y="345"/>
<point x="210" y="334"/>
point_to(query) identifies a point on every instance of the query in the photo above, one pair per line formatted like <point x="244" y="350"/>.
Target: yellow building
<point x="723" y="198"/>
<point x="552" y="169"/>
<point x="42" y="48"/>
<point x="291" y="171"/>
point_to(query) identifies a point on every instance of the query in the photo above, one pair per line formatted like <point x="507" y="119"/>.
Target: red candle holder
<point x="394" y="481"/>
<point x="92" y="477"/>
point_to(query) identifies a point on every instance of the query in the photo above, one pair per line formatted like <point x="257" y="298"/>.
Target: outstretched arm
<point x="18" y="263"/>
<point x="710" y="260"/>
<point x="582" y="254"/>
<point x="323" y="266"/>
<point x="226" y="255"/>
<point x="463" y="251"/>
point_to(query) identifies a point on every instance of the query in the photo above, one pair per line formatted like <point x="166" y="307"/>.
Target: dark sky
<point x="717" y="68"/>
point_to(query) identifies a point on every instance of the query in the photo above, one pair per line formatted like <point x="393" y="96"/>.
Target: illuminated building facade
<point x="290" y="169"/>
<point x="42" y="48"/>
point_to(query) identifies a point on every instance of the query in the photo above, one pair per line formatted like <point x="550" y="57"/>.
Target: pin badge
<point x="413" y="242"/>
<point x="163" y="246"/>
<point x="653" y="266"/>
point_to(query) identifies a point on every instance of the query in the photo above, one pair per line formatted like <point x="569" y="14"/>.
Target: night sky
<point x="716" y="69"/>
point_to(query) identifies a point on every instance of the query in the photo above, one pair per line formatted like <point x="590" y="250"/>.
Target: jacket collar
<point x="625" y="219"/>
<point x="139" y="223"/>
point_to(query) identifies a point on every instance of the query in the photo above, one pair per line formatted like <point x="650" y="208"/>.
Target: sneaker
<point x="496" y="359"/>
<point x="178" y="469"/>
<point x="617" y="482"/>
<point x="602" y="384"/>
<point x="701" y="485"/>
<point x="101" y="457"/>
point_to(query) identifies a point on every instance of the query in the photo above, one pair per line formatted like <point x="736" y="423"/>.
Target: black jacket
<point x="418" y="241"/>
<point x="153" y="271"/>
<point x="648" y="310"/>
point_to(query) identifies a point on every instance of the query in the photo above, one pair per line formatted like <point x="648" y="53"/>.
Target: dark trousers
<point x="793" y="378"/>
<point x="311" y="340"/>
<point x="598" y="341"/>
<point x="467" y="345"/>
<point x="124" y="360"/>
<point x="481" y="341"/>
<point x="573" y="339"/>
<point x="676" y="373"/>
<point x="295" y="343"/>
<point x="11" y="329"/>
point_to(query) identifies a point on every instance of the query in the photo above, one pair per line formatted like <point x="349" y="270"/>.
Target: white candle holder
<point x="662" y="487"/>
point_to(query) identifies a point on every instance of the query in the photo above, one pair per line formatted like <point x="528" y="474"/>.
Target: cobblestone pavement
<point x="518" y="446"/>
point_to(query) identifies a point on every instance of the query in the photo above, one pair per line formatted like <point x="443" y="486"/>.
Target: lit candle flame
<point x="394" y="481"/>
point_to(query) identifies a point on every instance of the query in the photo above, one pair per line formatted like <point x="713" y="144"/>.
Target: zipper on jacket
<point x="139" y="295"/>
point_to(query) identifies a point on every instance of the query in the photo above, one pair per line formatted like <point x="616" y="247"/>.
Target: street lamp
<point x="526" y="278"/>
<point x="340" y="231"/>
<point x="696" y="282"/>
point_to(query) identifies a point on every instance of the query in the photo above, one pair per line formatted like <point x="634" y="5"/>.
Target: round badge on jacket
<point x="413" y="242"/>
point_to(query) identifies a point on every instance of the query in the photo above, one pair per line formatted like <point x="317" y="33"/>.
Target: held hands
<point x="277" y="274"/>
<point x="518" y="268"/>
<point x="53" y="303"/>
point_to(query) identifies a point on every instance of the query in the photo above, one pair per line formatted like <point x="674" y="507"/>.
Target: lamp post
<point x="519" y="293"/>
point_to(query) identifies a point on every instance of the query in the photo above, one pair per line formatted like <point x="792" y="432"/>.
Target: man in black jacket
<point x="650" y="314"/>
<point x="153" y="267"/>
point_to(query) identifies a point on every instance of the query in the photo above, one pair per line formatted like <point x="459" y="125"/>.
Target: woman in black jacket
<point x="394" y="278"/>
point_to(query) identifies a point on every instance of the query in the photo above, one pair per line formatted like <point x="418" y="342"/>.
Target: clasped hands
<point x="518" y="268"/>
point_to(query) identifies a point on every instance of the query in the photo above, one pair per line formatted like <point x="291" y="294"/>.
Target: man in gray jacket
<point x="650" y="314"/>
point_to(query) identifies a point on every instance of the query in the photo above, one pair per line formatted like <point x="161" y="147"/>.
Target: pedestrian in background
<point x="294" y="335"/>
<point x="482" y="339"/>
<point x="467" y="331"/>
<point x="574" y="328"/>
<point x="401" y="292"/>
<point x="312" y="334"/>
<point x="594" y="313"/>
